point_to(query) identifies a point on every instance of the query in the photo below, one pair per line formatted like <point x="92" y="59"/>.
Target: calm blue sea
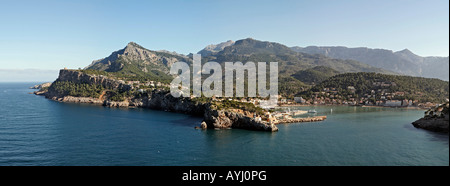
<point x="37" y="131"/>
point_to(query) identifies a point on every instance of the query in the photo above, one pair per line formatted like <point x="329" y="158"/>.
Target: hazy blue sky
<point x="57" y="34"/>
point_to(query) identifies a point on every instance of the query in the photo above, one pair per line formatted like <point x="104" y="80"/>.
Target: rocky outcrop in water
<point x="41" y="86"/>
<point x="435" y="119"/>
<point x="229" y="119"/>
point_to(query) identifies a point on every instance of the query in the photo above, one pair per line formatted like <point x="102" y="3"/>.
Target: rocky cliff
<point x="229" y="119"/>
<point x="435" y="119"/>
<point x="41" y="86"/>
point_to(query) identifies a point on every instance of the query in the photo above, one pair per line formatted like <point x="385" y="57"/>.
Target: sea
<point x="35" y="131"/>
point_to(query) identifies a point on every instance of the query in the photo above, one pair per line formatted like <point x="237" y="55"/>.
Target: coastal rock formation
<point x="203" y="125"/>
<point x="71" y="99"/>
<point x="163" y="100"/>
<point x="41" y="86"/>
<point x="116" y="103"/>
<point x="228" y="119"/>
<point x="436" y="119"/>
<point x="160" y="100"/>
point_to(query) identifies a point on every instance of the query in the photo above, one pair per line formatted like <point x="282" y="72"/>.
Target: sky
<point x="50" y="35"/>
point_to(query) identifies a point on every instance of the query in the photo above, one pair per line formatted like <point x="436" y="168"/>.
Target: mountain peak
<point x="214" y="48"/>
<point x="133" y="45"/>
<point x="405" y="51"/>
<point x="252" y="46"/>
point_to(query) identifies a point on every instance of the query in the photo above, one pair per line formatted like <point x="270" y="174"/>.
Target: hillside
<point x="315" y="75"/>
<point x="403" y="62"/>
<point x="374" y="87"/>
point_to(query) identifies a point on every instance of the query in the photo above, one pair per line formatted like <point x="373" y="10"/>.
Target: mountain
<point x="290" y="61"/>
<point x="210" y="49"/>
<point x="315" y="75"/>
<point x="403" y="62"/>
<point x="135" y="60"/>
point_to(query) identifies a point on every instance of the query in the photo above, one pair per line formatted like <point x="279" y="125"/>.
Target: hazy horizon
<point x="28" y="75"/>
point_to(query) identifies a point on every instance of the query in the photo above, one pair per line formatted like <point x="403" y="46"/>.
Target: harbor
<point x="288" y="116"/>
<point x="301" y="120"/>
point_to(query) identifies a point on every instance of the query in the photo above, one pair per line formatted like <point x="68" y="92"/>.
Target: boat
<point x="312" y="111"/>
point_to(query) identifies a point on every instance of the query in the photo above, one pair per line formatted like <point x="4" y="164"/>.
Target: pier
<point x="300" y="120"/>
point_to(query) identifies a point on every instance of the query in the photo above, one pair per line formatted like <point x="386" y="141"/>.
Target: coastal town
<point x="328" y="96"/>
<point x="381" y="97"/>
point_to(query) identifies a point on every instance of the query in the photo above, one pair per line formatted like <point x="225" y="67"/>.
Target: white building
<point x="299" y="100"/>
<point x="393" y="103"/>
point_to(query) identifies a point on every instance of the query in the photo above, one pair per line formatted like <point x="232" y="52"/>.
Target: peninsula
<point x="79" y="87"/>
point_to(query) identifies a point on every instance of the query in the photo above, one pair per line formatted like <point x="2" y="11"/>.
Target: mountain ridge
<point x="214" y="48"/>
<point x="403" y="62"/>
<point x="290" y="61"/>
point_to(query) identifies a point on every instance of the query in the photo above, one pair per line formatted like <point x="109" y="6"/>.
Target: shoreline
<point x="215" y="119"/>
<point x="299" y="105"/>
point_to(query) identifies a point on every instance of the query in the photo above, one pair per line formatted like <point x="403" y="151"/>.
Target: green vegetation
<point x="131" y="72"/>
<point x="289" y="86"/>
<point x="405" y="87"/>
<point x="202" y="99"/>
<point x="315" y="75"/>
<point x="115" y="95"/>
<point x="67" y="88"/>
<point x="44" y="89"/>
<point x="227" y="104"/>
<point x="95" y="72"/>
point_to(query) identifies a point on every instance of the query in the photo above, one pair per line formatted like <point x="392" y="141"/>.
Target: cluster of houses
<point x="376" y="97"/>
<point x="350" y="101"/>
<point x="142" y="86"/>
<point x="380" y="95"/>
<point x="150" y="84"/>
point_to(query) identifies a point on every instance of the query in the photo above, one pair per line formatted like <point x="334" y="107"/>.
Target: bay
<point x="38" y="131"/>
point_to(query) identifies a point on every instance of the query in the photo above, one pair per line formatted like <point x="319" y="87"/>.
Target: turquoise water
<point x="37" y="131"/>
